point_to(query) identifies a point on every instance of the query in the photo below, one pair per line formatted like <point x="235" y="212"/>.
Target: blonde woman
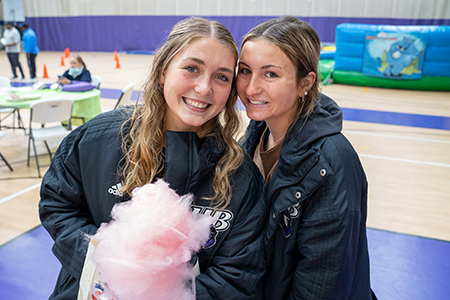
<point x="175" y="135"/>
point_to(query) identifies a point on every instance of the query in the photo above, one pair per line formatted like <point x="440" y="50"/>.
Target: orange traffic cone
<point x="45" y="72"/>
<point x="117" y="64"/>
<point x="62" y="61"/>
<point x="67" y="52"/>
<point x="116" y="58"/>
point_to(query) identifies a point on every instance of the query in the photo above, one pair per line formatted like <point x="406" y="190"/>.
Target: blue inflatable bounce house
<point x="404" y="57"/>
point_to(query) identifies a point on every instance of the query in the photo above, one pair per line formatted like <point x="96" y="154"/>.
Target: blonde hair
<point x="301" y="43"/>
<point x="143" y="144"/>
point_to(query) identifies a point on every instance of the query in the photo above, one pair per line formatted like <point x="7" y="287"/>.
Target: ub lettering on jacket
<point x="223" y="221"/>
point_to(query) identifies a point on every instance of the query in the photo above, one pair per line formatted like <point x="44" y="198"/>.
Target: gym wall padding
<point x="140" y="26"/>
<point x="350" y="48"/>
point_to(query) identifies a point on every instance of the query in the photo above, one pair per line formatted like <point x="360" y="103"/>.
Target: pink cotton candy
<point x="144" y="252"/>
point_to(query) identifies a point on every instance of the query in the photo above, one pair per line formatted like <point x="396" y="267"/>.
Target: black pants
<point x="15" y="63"/>
<point x="31" y="58"/>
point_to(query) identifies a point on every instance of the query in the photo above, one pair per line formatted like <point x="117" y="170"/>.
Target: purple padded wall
<point x="146" y="33"/>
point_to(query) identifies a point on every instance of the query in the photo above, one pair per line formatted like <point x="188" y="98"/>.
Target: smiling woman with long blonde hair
<point x="174" y="135"/>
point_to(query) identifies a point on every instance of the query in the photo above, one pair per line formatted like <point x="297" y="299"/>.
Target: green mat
<point x="426" y="83"/>
<point x="328" y="75"/>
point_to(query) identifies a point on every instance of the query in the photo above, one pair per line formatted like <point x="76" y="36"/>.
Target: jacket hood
<point x="325" y="120"/>
<point x="201" y="158"/>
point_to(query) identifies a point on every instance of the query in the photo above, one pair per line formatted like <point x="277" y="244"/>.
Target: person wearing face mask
<point x="77" y="72"/>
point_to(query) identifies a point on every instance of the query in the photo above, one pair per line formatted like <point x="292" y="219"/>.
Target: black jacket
<point x="81" y="187"/>
<point x="315" y="236"/>
<point x="85" y="76"/>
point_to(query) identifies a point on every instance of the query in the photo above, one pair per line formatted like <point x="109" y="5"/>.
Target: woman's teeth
<point x="195" y="103"/>
<point x="257" y="102"/>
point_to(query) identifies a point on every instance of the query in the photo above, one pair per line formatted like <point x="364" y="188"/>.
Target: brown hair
<point x="301" y="43"/>
<point x="143" y="144"/>
<point x="79" y="59"/>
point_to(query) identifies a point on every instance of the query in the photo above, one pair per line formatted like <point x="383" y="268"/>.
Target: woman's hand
<point x="63" y="80"/>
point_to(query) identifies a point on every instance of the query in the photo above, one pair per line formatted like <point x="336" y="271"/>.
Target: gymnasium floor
<point x="402" y="137"/>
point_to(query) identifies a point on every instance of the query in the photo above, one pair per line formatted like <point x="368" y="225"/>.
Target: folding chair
<point x="96" y="81"/>
<point x="6" y="83"/>
<point x="125" y="97"/>
<point x="46" y="111"/>
<point x="2" y="134"/>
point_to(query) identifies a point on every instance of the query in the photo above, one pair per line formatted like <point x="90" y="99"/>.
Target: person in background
<point x="30" y="47"/>
<point x="13" y="48"/>
<point x="315" y="235"/>
<point x="183" y="133"/>
<point x="77" y="71"/>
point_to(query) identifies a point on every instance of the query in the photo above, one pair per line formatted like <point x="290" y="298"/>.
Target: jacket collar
<point x="190" y="159"/>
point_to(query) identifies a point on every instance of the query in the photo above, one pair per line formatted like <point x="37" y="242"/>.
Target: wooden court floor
<point x="408" y="167"/>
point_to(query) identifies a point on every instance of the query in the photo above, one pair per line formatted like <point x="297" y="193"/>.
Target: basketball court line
<point x="396" y="118"/>
<point x="405" y="160"/>
<point x="20" y="193"/>
<point x="396" y="136"/>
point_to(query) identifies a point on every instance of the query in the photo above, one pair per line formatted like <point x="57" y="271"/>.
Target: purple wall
<point x="146" y="33"/>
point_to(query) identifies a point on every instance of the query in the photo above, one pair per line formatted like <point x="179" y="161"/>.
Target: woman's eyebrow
<point x="197" y="60"/>
<point x="223" y="69"/>
<point x="263" y="67"/>
<point x="270" y="66"/>
<point x="201" y="62"/>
